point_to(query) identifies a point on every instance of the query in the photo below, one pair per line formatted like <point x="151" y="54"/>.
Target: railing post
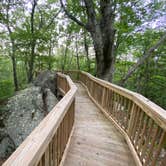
<point x="131" y="120"/>
<point x="103" y="99"/>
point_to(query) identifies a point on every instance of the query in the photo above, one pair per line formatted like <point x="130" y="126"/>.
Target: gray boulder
<point x="24" y="112"/>
<point x="47" y="79"/>
<point x="7" y="145"/>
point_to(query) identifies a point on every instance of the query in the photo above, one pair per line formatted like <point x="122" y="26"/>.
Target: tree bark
<point x="87" y="51"/>
<point x="103" y="38"/>
<point x="12" y="55"/>
<point x="102" y="33"/>
<point x="65" y="56"/>
<point x="31" y="63"/>
<point x="78" y="63"/>
<point x="33" y="44"/>
<point x="68" y="40"/>
<point x="142" y="59"/>
<point x="49" y="55"/>
<point x="14" y="66"/>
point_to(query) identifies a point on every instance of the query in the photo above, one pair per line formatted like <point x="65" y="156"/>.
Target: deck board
<point x="95" y="141"/>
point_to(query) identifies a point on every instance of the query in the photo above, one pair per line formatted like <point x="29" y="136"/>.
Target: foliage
<point x="6" y="82"/>
<point x="55" y="38"/>
<point x="150" y="77"/>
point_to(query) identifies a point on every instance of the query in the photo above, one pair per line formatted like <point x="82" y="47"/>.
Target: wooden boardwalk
<point x="95" y="141"/>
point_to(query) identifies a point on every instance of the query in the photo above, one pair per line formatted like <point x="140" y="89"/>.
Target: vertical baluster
<point x="113" y="103"/>
<point x="116" y="106"/>
<point x="43" y="160"/>
<point x="141" y="121"/>
<point x="150" y="152"/>
<point x="110" y="101"/>
<point x="46" y="156"/>
<point x="50" y="153"/>
<point x="147" y="141"/>
<point x="97" y="92"/>
<point x="135" y="121"/>
<point x="129" y="107"/>
<point x="142" y="135"/>
<point x="158" y="148"/>
<point x="100" y="95"/>
<point x="59" y="143"/>
<point x="119" y="109"/>
<point x="123" y="112"/>
<point x="55" y="149"/>
<point x="62" y="136"/>
<point x="131" y="120"/>
<point x="106" y="100"/>
<point x="64" y="132"/>
<point x="103" y="97"/>
<point x="122" y="108"/>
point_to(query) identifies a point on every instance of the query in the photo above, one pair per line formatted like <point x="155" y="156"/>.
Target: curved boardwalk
<point x="95" y="141"/>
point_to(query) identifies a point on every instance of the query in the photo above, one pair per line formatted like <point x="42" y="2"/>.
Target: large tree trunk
<point x="102" y="33"/>
<point x="103" y="40"/>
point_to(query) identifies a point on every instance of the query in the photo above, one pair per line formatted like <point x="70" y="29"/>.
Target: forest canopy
<point x="121" y="41"/>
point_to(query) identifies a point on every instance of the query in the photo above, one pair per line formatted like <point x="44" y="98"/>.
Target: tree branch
<point x="71" y="16"/>
<point x="52" y="19"/>
<point x="92" y="22"/>
<point x="142" y="59"/>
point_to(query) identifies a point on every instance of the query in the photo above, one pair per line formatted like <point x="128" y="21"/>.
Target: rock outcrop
<point x="25" y="110"/>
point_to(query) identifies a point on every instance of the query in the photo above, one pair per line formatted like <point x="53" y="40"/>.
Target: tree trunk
<point x="65" y="56"/>
<point x="33" y="44"/>
<point x="102" y="33"/>
<point x="70" y="62"/>
<point x="49" y="55"/>
<point x="104" y="50"/>
<point x="87" y="51"/>
<point x="14" y="65"/>
<point x="31" y="64"/>
<point x="78" y="63"/>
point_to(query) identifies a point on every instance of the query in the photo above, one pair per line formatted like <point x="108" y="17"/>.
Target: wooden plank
<point x="131" y="147"/>
<point x="95" y="139"/>
<point x="157" y="113"/>
<point x="32" y="149"/>
<point x="67" y="148"/>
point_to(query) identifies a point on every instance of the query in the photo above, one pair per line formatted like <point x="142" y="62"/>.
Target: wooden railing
<point x="142" y="122"/>
<point x="45" y="146"/>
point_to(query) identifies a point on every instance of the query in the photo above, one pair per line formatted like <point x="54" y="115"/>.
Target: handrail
<point x="142" y="122"/>
<point x="46" y="144"/>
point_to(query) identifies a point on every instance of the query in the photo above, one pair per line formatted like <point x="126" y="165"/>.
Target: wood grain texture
<point x="47" y="142"/>
<point x="95" y="140"/>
